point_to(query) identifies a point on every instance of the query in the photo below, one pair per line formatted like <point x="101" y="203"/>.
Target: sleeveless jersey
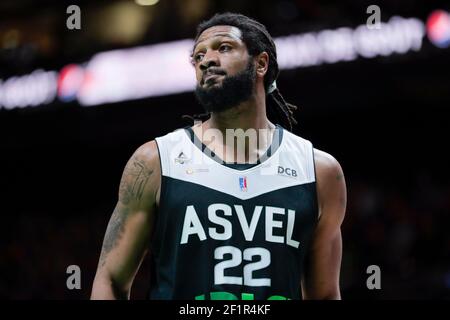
<point x="227" y="231"/>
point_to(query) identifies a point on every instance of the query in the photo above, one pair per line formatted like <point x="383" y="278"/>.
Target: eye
<point x="198" y="57"/>
<point x="225" y="47"/>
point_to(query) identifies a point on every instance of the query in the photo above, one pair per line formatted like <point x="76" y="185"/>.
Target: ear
<point x="262" y="64"/>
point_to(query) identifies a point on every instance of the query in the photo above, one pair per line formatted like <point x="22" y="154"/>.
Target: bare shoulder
<point x="144" y="161"/>
<point x="148" y="154"/>
<point x="331" y="188"/>
<point x="326" y="165"/>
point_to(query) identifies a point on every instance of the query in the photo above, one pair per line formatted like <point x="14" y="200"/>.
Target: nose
<point x="209" y="60"/>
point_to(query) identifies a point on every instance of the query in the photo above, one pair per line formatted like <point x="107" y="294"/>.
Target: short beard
<point x="233" y="91"/>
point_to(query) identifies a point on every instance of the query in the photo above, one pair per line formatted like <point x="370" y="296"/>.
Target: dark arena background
<point x="75" y="104"/>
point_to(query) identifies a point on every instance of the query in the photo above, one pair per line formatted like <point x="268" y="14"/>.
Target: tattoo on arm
<point x="139" y="174"/>
<point x="132" y="186"/>
<point x="113" y="231"/>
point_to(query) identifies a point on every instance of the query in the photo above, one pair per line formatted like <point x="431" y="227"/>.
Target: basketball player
<point x="217" y="224"/>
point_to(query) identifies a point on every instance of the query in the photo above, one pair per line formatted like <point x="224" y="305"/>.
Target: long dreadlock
<point x="257" y="39"/>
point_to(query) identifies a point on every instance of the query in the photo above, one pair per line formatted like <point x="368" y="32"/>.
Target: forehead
<point x="220" y="31"/>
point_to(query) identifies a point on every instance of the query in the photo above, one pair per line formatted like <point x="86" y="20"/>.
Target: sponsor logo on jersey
<point x="196" y="170"/>
<point x="287" y="172"/>
<point x="182" y="158"/>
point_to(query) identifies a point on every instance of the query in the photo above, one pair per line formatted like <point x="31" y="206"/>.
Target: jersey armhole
<point x="159" y="221"/>
<point x="315" y="181"/>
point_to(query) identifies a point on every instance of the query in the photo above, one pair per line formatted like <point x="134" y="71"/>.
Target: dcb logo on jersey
<point x="243" y="183"/>
<point x="287" y="172"/>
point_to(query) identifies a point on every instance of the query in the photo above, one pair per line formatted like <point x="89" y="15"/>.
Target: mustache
<point x="213" y="70"/>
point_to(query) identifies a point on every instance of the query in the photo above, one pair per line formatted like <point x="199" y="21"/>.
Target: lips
<point x="209" y="77"/>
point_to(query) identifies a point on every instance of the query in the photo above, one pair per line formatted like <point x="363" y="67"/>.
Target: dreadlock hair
<point x="257" y="39"/>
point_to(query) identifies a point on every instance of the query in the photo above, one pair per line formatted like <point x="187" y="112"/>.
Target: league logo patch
<point x="243" y="183"/>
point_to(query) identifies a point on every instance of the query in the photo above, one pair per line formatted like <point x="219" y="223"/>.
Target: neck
<point x="250" y="114"/>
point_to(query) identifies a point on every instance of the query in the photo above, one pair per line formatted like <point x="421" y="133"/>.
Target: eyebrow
<point x="227" y="35"/>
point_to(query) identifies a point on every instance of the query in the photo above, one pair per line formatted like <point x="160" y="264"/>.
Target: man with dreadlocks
<point x="256" y="219"/>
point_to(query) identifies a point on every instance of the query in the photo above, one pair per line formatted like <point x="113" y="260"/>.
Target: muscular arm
<point x="323" y="261"/>
<point x="129" y="229"/>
